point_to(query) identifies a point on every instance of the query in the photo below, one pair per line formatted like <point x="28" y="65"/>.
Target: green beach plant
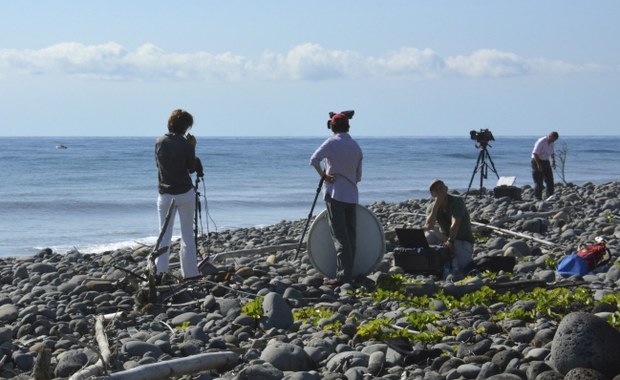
<point x="609" y="216"/>
<point x="551" y="262"/>
<point x="184" y="326"/>
<point x="253" y="308"/>
<point x="489" y="275"/>
<point x="378" y="329"/>
<point x="312" y="315"/>
<point x="482" y="237"/>
<point x="334" y="327"/>
<point x="425" y="324"/>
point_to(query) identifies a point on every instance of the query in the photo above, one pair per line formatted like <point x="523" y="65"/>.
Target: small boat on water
<point x="61" y="146"/>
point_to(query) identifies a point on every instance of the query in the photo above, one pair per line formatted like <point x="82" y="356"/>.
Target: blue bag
<point x="572" y="265"/>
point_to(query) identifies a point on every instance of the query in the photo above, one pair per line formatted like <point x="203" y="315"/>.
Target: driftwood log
<point x="254" y="251"/>
<point x="41" y="370"/>
<point x="105" y="354"/>
<point x="246" y="252"/>
<point x="177" y="367"/>
<point x="525" y="215"/>
<point x="505" y="231"/>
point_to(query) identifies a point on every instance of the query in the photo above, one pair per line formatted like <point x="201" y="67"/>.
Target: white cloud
<point x="312" y="62"/>
<point x="308" y="61"/>
<point x="409" y="62"/>
<point x="488" y="63"/>
<point x="67" y="58"/>
<point x="151" y="62"/>
<point x="495" y="63"/>
<point x="560" y="67"/>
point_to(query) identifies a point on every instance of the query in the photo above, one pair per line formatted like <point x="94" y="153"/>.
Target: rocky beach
<point x="263" y="313"/>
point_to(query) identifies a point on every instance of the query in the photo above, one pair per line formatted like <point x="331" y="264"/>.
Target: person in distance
<point x="175" y="156"/>
<point x="542" y="168"/>
<point x="343" y="170"/>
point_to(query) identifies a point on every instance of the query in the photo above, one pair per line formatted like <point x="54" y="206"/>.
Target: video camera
<point x="349" y="114"/>
<point x="483" y="137"/>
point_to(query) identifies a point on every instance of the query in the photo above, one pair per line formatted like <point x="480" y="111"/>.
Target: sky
<point x="277" y="68"/>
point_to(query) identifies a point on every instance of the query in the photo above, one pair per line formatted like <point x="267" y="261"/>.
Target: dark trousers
<point x="342" y="224"/>
<point x="546" y="175"/>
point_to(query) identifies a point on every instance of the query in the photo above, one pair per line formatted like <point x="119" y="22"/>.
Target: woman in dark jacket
<point x="175" y="155"/>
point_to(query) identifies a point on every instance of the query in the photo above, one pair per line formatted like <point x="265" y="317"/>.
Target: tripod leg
<point x="492" y="165"/>
<point x="197" y="214"/>
<point x="483" y="170"/>
<point x="474" y="172"/>
<point x="197" y="220"/>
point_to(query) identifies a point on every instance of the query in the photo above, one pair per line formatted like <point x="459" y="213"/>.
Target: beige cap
<point x="433" y="182"/>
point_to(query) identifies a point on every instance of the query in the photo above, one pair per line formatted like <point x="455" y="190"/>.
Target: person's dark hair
<point x="555" y="135"/>
<point x="180" y="121"/>
<point x="340" y="123"/>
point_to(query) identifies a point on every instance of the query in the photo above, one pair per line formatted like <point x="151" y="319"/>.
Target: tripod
<point x="197" y="216"/>
<point x="204" y="265"/>
<point x="482" y="165"/>
<point x="197" y="212"/>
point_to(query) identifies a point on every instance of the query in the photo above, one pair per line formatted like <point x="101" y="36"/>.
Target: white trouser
<point x="185" y="204"/>
<point x="463" y="250"/>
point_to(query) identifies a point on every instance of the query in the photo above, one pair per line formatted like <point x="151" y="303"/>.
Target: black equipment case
<point x="505" y="188"/>
<point x="426" y="261"/>
<point x="512" y="192"/>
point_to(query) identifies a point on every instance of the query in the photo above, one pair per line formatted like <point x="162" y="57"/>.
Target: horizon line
<point x="296" y="137"/>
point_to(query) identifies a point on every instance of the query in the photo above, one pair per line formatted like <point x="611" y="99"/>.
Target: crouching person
<point x="450" y="213"/>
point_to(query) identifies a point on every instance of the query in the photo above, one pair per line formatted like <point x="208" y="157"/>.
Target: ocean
<point x="99" y="193"/>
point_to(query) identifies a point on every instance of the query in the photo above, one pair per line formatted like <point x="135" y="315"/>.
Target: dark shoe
<point x="198" y="277"/>
<point x="364" y="281"/>
<point x="206" y="268"/>
<point x="165" y="279"/>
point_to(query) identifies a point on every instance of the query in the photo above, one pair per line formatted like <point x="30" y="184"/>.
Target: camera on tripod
<point x="482" y="137"/>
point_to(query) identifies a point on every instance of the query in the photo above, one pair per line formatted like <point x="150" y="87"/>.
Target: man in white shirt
<point x="541" y="167"/>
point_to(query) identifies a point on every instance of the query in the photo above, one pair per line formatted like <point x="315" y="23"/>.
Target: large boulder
<point x="584" y="340"/>
<point x="521" y="248"/>
<point x="70" y="362"/>
<point x="8" y="313"/>
<point x="347" y="359"/>
<point x="286" y="357"/>
<point x="277" y="312"/>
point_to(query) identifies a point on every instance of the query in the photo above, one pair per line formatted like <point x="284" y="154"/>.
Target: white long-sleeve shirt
<point x="343" y="160"/>
<point x="543" y="148"/>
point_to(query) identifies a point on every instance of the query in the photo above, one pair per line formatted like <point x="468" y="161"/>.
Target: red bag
<point x="593" y="254"/>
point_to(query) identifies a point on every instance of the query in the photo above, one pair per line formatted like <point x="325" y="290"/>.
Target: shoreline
<point x="49" y="301"/>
